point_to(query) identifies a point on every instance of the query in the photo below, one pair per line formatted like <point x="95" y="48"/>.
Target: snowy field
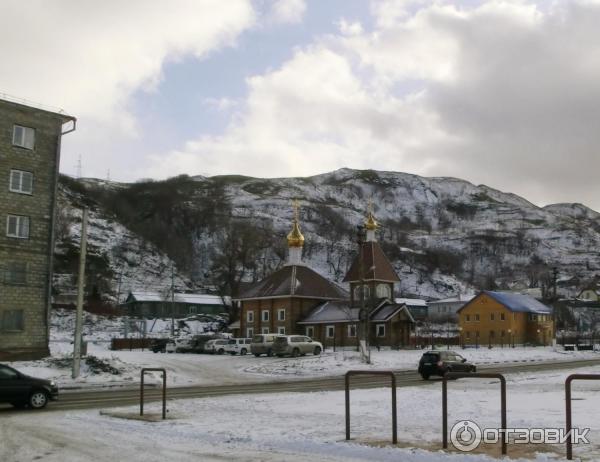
<point x="306" y="426"/>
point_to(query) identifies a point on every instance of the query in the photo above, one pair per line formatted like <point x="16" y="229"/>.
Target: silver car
<point x="296" y="345"/>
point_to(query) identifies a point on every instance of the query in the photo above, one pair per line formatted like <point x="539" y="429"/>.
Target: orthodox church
<point x="297" y="300"/>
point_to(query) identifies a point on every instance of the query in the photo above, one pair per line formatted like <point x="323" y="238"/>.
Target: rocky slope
<point x="443" y="235"/>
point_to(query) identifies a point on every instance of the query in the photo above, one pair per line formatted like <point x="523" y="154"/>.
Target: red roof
<point x="376" y="266"/>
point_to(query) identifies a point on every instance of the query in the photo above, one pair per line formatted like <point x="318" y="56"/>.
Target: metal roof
<point x="375" y="264"/>
<point x="411" y="301"/>
<point x="199" y="299"/>
<point x="335" y="311"/>
<point x="518" y="303"/>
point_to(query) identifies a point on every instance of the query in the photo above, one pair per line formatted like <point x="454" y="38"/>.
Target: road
<point x="91" y="399"/>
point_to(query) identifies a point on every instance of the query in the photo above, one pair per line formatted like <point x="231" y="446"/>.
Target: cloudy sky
<point x="503" y="92"/>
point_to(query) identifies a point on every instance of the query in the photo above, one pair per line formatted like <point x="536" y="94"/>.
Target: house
<point x="446" y="308"/>
<point x="297" y="300"/>
<point x="276" y="303"/>
<point x="181" y="305"/>
<point x="30" y="140"/>
<point x="501" y="318"/>
<point x="591" y="292"/>
<point x="417" y="307"/>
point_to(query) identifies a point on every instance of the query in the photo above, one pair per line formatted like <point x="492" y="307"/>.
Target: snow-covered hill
<point x="443" y="235"/>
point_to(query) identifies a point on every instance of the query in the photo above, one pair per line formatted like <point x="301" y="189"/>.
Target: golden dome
<point x="295" y="237"/>
<point x="370" y="223"/>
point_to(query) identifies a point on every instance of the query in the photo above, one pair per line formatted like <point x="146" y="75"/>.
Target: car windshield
<point x="281" y="340"/>
<point x="231" y="342"/>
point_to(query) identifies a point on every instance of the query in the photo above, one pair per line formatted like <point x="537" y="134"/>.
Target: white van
<point x="238" y="346"/>
<point x="262" y="344"/>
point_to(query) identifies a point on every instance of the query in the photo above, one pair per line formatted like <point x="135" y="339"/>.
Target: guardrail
<point x="460" y="375"/>
<point x="569" y="423"/>
<point x="394" y="413"/>
<point x="164" y="389"/>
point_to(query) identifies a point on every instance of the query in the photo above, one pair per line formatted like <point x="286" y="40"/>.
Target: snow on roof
<point x="411" y="301"/>
<point x="460" y="298"/>
<point x="519" y="302"/>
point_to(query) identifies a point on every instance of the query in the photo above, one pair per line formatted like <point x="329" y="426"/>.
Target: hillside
<point x="443" y="235"/>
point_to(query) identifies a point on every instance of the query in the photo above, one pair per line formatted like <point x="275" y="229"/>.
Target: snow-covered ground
<point x="307" y="426"/>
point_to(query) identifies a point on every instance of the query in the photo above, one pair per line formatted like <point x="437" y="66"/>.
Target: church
<point x="297" y="300"/>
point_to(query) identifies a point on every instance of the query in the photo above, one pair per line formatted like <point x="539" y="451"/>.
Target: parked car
<point x="171" y="347"/>
<point x="184" y="345"/>
<point x="21" y="390"/>
<point x="262" y="344"/>
<point x="216" y="346"/>
<point x="439" y="362"/>
<point x="158" y="345"/>
<point x="296" y="345"/>
<point x="238" y="346"/>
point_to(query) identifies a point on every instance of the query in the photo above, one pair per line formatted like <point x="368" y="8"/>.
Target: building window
<point x="12" y="320"/>
<point x="502" y="333"/>
<point x="380" y="330"/>
<point x="330" y="331"/>
<point x="250" y="316"/>
<point x="502" y="317"/>
<point x="358" y="292"/>
<point x="492" y="316"/>
<point x="264" y="330"/>
<point x="310" y="331"/>
<point x="265" y="315"/>
<point x="383" y="291"/>
<point x="281" y="330"/>
<point x="468" y="335"/>
<point x="21" y="182"/>
<point x="17" y="226"/>
<point x="23" y="137"/>
<point x="352" y="330"/>
<point x="467" y="317"/>
<point x="193" y="310"/>
<point x="281" y="314"/>
<point x="250" y="332"/>
<point x="477" y="318"/>
<point x="16" y="273"/>
<point x="492" y="334"/>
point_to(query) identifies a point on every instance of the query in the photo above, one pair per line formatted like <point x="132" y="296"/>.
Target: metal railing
<point x="569" y="423"/>
<point x="460" y="375"/>
<point x="164" y="389"/>
<point x="394" y="413"/>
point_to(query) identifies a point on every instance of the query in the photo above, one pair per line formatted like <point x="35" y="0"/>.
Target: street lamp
<point x="460" y="340"/>
<point x="511" y="339"/>
<point x="538" y="336"/>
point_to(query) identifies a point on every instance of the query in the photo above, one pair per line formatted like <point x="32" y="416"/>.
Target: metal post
<point x="80" y="291"/>
<point x="172" y="301"/>
<point x="164" y="390"/>
<point x="460" y="375"/>
<point x="569" y="421"/>
<point x="394" y="401"/>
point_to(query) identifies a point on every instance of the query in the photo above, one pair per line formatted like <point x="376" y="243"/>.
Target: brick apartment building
<point x="30" y="140"/>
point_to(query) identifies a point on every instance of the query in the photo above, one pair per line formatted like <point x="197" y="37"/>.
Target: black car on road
<point x="20" y="390"/>
<point x="439" y="362"/>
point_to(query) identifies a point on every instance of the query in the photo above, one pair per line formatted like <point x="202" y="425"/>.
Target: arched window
<point x="383" y="291"/>
<point x="358" y="291"/>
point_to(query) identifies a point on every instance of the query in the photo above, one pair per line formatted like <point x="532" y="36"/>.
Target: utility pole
<point x="172" y="301"/>
<point x="363" y="314"/>
<point x="80" y="290"/>
<point x="554" y="303"/>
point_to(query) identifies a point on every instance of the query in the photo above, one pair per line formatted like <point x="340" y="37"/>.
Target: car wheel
<point x="317" y="351"/>
<point x="221" y="351"/>
<point x="295" y="352"/>
<point x="269" y="352"/>
<point x="38" y="399"/>
<point x="425" y="376"/>
<point x="257" y="354"/>
<point x="243" y="352"/>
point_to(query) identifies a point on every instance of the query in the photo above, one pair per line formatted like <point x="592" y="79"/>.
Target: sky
<point x="502" y="92"/>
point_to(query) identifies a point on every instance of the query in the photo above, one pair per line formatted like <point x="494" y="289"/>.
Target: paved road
<point x="123" y="397"/>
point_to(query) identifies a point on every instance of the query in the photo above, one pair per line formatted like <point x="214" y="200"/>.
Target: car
<point x="158" y="345"/>
<point x="238" y="346"/>
<point x="438" y="362"/>
<point x="183" y="345"/>
<point x="216" y="346"/>
<point x="296" y="345"/>
<point x="171" y="347"/>
<point x="21" y="390"/>
<point x="262" y="344"/>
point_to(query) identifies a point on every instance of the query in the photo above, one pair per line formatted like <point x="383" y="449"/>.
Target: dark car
<point x="159" y="345"/>
<point x="440" y="362"/>
<point x="20" y="390"/>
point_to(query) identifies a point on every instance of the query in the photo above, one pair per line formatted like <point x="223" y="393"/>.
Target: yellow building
<point x="499" y="318"/>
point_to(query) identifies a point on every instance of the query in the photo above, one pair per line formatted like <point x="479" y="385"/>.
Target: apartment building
<point x="30" y="140"/>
